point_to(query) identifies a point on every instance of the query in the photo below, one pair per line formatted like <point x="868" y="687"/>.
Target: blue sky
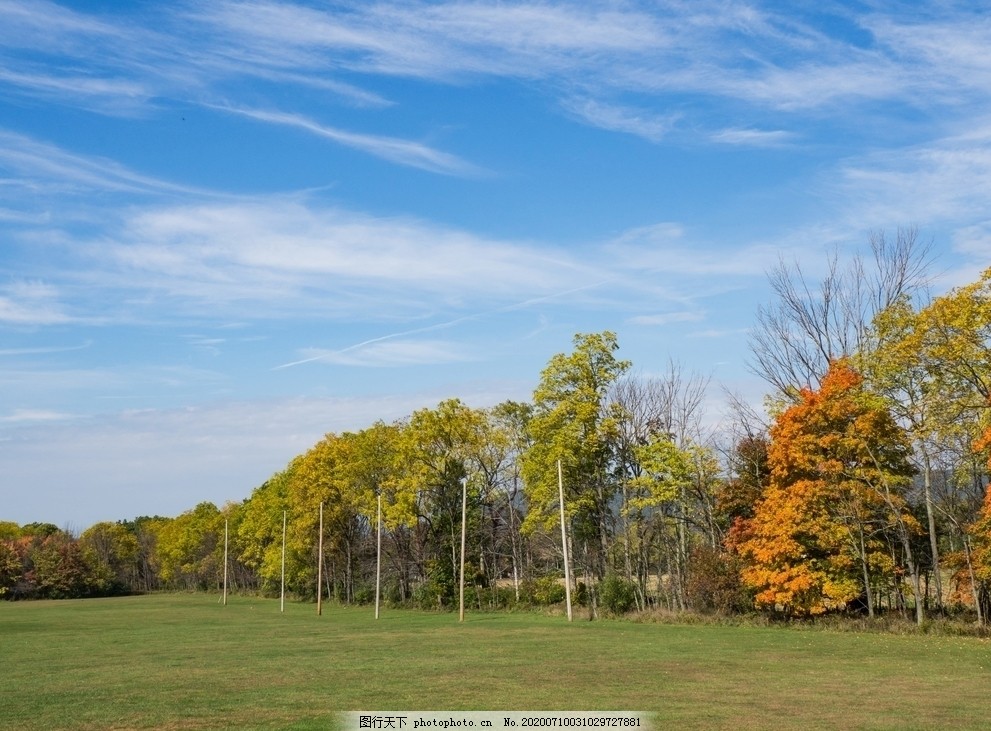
<point x="227" y="228"/>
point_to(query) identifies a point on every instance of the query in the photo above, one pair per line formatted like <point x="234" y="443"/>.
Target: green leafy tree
<point x="954" y="334"/>
<point x="190" y="548"/>
<point x="934" y="367"/>
<point x="260" y="530"/>
<point x="112" y="553"/>
<point x="371" y="468"/>
<point x="145" y="530"/>
<point x="573" y="424"/>
<point x="507" y="441"/>
<point x="439" y="448"/>
<point x="9" y="531"/>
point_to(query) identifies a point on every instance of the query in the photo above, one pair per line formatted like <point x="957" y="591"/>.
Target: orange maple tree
<point x="836" y="459"/>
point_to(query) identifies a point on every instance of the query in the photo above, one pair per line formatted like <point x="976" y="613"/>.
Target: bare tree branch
<point x="809" y="324"/>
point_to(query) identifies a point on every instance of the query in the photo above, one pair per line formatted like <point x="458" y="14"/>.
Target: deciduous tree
<point x="810" y="324"/>
<point x="838" y="465"/>
<point x="572" y="423"/>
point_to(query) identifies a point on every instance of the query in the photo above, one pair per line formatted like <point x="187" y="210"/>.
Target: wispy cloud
<point x="272" y="257"/>
<point x="42" y="166"/>
<point x="715" y="333"/>
<point x="116" y="93"/>
<point x="18" y="352"/>
<point x="20" y="416"/>
<point x="950" y="47"/>
<point x="438" y="40"/>
<point x="269" y="256"/>
<point x="667" y="318"/>
<point x="753" y="137"/>
<point x="388" y="354"/>
<point x="399" y="151"/>
<point x="438" y="351"/>
<point x="31" y="303"/>
<point x="766" y="60"/>
<point x="639" y="122"/>
<point x="942" y="181"/>
<point x="666" y="248"/>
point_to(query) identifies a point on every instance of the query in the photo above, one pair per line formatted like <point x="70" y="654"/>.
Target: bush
<point x="364" y="594"/>
<point x="617" y="594"/>
<point x="714" y="584"/>
<point x="500" y="597"/>
<point x="581" y="594"/>
<point x="545" y="590"/>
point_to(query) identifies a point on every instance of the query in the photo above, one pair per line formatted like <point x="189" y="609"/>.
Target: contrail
<point x="442" y="325"/>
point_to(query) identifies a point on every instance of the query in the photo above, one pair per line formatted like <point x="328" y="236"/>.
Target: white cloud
<point x="399" y="151"/>
<point x="941" y="186"/>
<point x="435" y="40"/>
<point x="752" y="137"/>
<point x="388" y="354"/>
<point x="31" y="303"/>
<point x="17" y="352"/>
<point x="120" y="93"/>
<point x="40" y="165"/>
<point x="639" y="122"/>
<point x="731" y="50"/>
<point x="281" y="251"/>
<point x="715" y="333"/>
<point x="665" y="248"/>
<point x="270" y="256"/>
<point x="667" y="318"/>
<point x="44" y="25"/>
<point x="951" y="51"/>
<point x="33" y="415"/>
<point x="974" y="240"/>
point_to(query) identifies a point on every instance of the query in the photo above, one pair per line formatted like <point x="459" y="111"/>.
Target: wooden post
<point x="320" y="565"/>
<point x="564" y="542"/>
<point x="378" y="557"/>
<point x="282" y="600"/>
<point x="225" y="562"/>
<point x="464" y="513"/>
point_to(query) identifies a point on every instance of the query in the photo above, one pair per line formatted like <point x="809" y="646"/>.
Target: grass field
<point x="186" y="662"/>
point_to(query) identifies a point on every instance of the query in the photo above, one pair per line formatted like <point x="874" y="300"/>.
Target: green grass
<point x="186" y="662"/>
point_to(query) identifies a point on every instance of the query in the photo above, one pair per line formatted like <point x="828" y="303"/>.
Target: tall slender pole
<point x="378" y="557"/>
<point x="464" y="514"/>
<point x="564" y="542"/>
<point x="225" y="562"/>
<point x="282" y="600"/>
<point x="320" y="565"/>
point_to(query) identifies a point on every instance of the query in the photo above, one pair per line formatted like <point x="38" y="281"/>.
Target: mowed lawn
<point x="187" y="662"/>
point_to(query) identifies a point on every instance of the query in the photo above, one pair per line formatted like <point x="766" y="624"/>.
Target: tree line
<point x="862" y="487"/>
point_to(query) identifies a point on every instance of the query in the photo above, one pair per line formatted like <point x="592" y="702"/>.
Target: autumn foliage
<point x="831" y="457"/>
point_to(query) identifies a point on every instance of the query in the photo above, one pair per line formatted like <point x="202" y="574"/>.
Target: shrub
<point x="617" y="594"/>
<point x="714" y="584"/>
<point x="547" y="590"/>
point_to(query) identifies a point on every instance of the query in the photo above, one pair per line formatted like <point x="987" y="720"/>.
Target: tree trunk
<point x="867" y="577"/>
<point x="973" y="581"/>
<point x="933" y="538"/>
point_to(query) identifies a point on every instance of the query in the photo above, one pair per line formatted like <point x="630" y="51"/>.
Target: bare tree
<point x="810" y="324"/>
